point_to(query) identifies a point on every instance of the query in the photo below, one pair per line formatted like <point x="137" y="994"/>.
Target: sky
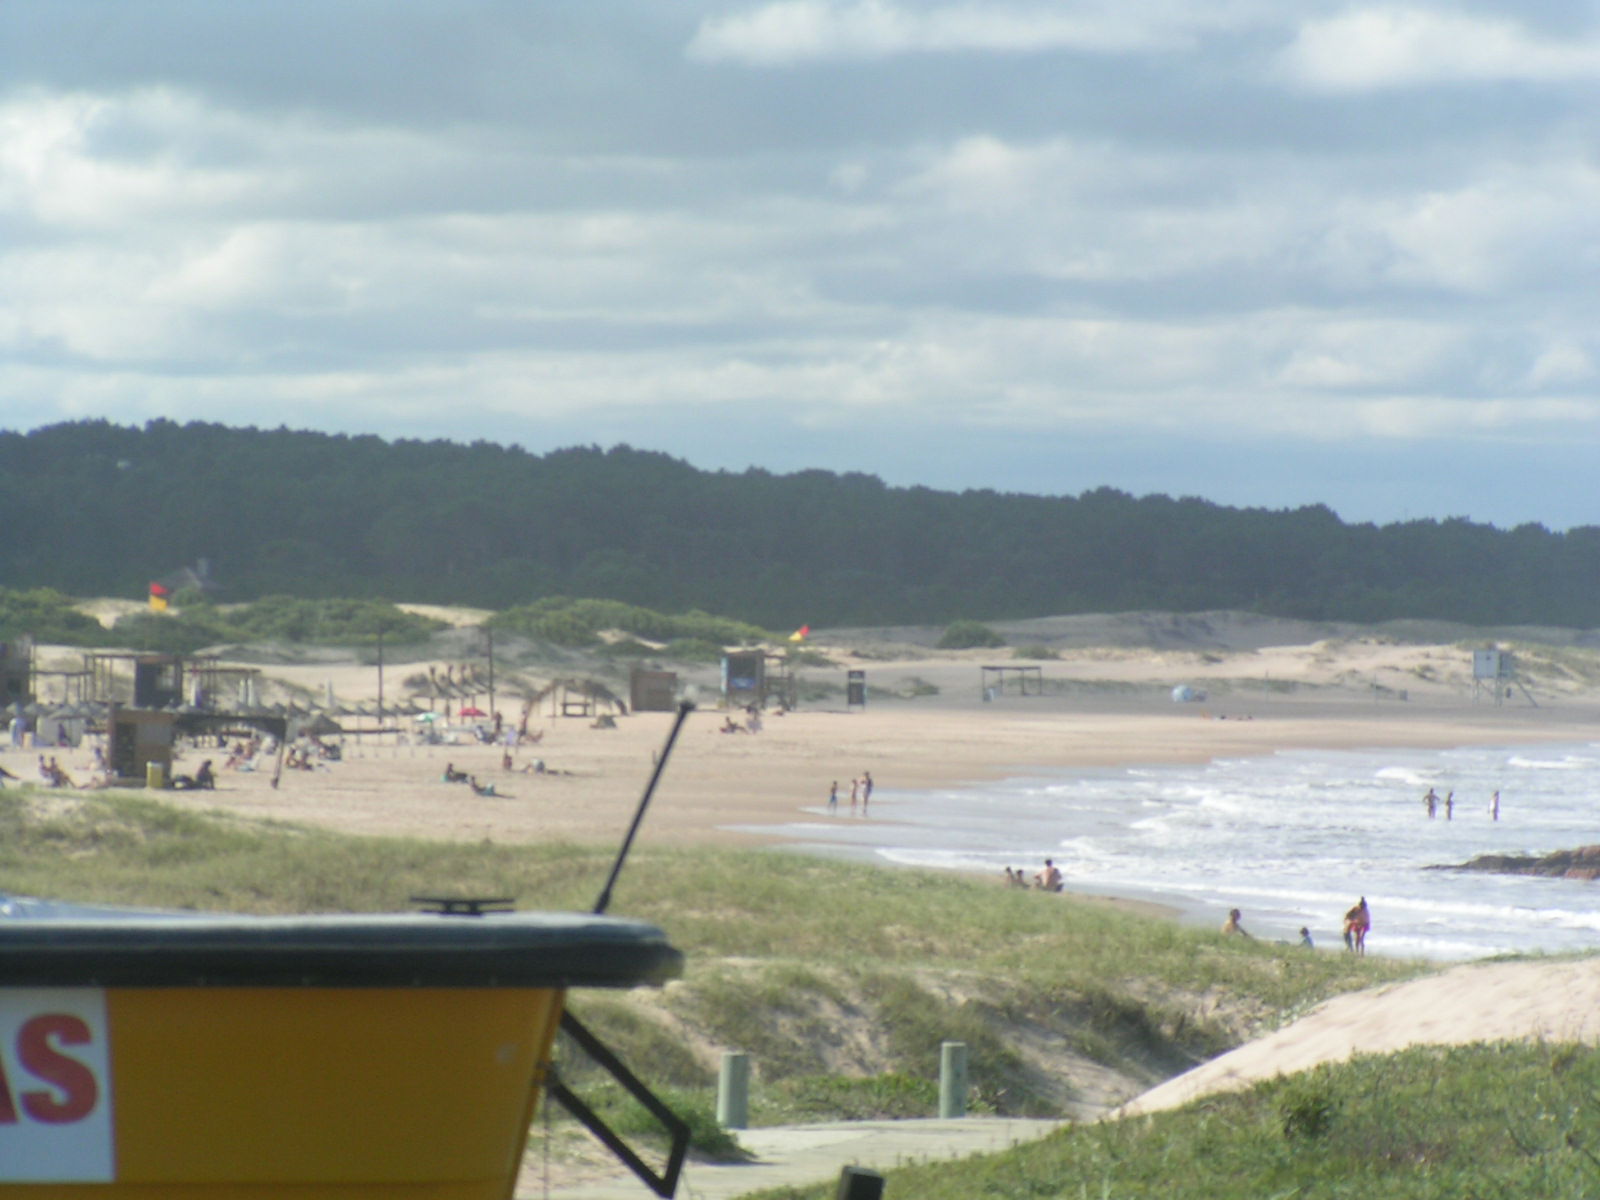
<point x="1264" y="254"/>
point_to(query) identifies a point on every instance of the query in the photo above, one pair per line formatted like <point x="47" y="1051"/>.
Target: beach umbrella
<point x="472" y="711"/>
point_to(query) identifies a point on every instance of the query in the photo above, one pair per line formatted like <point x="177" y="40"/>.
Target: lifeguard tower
<point x="1495" y="670"/>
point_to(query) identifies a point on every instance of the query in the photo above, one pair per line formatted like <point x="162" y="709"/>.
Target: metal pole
<point x="685" y="707"/>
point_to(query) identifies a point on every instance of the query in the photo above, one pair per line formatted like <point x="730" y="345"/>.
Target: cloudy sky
<point x="1262" y="253"/>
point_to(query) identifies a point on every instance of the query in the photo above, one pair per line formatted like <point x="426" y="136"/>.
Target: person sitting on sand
<point x="451" y="775"/>
<point x="205" y="777"/>
<point x="1049" y="877"/>
<point x="1356" y="924"/>
<point x="481" y="789"/>
<point x="1305" y="939"/>
<point x="1232" y="926"/>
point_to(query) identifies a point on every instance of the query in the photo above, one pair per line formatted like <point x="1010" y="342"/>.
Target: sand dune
<point x="1481" y="1002"/>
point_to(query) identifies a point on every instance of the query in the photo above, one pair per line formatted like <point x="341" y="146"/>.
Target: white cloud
<point x="1367" y="49"/>
<point x="791" y="31"/>
<point x="63" y="162"/>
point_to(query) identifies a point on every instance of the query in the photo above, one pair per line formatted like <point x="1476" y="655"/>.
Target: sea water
<point x="1293" y="840"/>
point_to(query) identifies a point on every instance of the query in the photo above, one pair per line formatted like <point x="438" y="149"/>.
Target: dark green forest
<point x="92" y="508"/>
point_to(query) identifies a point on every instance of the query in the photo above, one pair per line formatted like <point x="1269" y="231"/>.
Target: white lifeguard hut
<point x="1495" y="670"/>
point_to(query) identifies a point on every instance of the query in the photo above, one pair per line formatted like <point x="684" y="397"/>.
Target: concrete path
<point x="794" y="1155"/>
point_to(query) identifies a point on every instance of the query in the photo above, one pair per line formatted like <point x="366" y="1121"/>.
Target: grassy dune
<point x="841" y="981"/>
<point x="1507" y="1121"/>
<point x="835" y="977"/>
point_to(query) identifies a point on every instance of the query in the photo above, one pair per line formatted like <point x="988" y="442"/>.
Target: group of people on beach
<point x="1357" y="922"/>
<point x="1047" y="878"/>
<point x="860" y="793"/>
<point x="1432" y="803"/>
<point x="53" y="774"/>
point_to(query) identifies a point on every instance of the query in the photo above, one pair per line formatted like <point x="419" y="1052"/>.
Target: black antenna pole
<point x="685" y="707"/>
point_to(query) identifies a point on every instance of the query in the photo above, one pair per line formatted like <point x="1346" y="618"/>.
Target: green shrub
<point x="173" y="632"/>
<point x="47" y="616"/>
<point x="692" y="650"/>
<point x="969" y="635"/>
<point x="341" y="622"/>
<point x="567" y="622"/>
<point x="892" y="1096"/>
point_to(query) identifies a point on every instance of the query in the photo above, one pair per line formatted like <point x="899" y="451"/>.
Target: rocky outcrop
<point x="1582" y="863"/>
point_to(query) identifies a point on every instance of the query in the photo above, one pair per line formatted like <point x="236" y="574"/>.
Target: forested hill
<point x="98" y="509"/>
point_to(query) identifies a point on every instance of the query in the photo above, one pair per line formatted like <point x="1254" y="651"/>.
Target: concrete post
<point x="733" y="1091"/>
<point x="953" y="1080"/>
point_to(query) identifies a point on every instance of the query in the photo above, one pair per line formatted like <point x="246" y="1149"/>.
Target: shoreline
<point x="723" y="788"/>
<point x="762" y="790"/>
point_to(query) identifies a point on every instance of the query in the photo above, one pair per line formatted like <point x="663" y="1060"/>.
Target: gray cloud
<point x="947" y="242"/>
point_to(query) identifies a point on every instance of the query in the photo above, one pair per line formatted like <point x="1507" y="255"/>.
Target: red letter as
<point x="44" y="1062"/>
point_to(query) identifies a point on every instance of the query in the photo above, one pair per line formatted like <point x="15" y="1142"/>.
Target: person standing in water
<point x="1356" y="924"/>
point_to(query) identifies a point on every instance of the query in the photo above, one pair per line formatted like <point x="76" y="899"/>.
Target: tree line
<point x="94" y="508"/>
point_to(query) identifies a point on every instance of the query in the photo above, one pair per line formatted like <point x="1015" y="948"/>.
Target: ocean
<point x="1292" y="840"/>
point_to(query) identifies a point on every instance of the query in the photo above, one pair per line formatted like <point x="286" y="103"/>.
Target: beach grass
<point x="1507" y="1120"/>
<point x="841" y="980"/>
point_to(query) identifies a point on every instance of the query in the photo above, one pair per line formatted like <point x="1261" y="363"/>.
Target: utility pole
<point x="489" y="631"/>
<point x="380" y="676"/>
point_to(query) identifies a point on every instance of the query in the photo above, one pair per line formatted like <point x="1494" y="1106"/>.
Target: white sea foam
<point x="1292" y="839"/>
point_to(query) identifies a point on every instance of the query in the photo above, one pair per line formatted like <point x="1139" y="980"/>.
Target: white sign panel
<point x="55" y="1086"/>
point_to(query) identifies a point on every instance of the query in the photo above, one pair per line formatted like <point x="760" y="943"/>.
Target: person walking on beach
<point x="833" y="798"/>
<point x="1356" y="924"/>
<point x="866" y="789"/>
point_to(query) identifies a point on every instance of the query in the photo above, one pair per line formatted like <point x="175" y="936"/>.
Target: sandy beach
<point x="1102" y="706"/>
<point x="927" y="723"/>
